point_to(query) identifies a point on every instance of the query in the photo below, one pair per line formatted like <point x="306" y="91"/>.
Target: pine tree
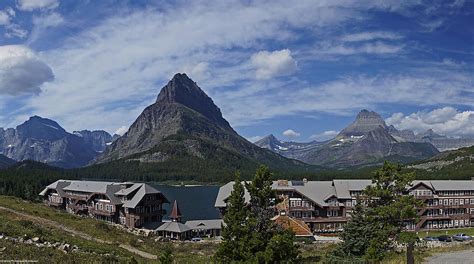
<point x="235" y="232"/>
<point x="250" y="235"/>
<point x="378" y="222"/>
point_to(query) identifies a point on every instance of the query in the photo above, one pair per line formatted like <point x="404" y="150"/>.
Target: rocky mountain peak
<point x="365" y="122"/>
<point x="40" y="128"/>
<point x="182" y="90"/>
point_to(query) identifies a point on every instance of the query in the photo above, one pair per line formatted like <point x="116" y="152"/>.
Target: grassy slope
<point x="14" y="225"/>
<point x="460" y="169"/>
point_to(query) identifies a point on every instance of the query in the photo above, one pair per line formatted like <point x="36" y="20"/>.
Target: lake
<point x="195" y="202"/>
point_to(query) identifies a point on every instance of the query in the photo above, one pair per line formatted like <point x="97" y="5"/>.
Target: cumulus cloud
<point x="21" y="71"/>
<point x="447" y="120"/>
<point x="121" y="130"/>
<point x="30" y="5"/>
<point x="291" y="133"/>
<point x="326" y="135"/>
<point x="270" y="64"/>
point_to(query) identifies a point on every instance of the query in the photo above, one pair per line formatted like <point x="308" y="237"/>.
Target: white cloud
<point x="5" y="18"/>
<point x="377" y="47"/>
<point x="121" y="130"/>
<point x="446" y="120"/>
<point x="30" y="5"/>
<point x="366" y="36"/>
<point x="43" y="23"/>
<point x="291" y="133"/>
<point x="326" y="135"/>
<point x="14" y="30"/>
<point x="254" y="138"/>
<point x="271" y="64"/>
<point x="345" y="95"/>
<point x="21" y="71"/>
<point x="107" y="74"/>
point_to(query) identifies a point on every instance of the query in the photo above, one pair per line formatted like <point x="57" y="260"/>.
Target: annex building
<point x="325" y="206"/>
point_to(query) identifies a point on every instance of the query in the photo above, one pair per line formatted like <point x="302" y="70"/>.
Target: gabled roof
<point x="453" y="185"/>
<point x="58" y="186"/>
<point x="205" y="224"/>
<point x="111" y="189"/>
<point x="175" y="212"/>
<point x="128" y="190"/>
<point x="344" y="187"/>
<point x="175" y="227"/>
<point x="142" y="191"/>
<point x="89" y="186"/>
<point x="224" y="193"/>
<point x="297" y="226"/>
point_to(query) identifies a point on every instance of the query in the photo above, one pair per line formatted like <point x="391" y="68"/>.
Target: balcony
<point x="329" y="219"/>
<point x="302" y="208"/>
<point x="78" y="208"/>
<point x="101" y="212"/>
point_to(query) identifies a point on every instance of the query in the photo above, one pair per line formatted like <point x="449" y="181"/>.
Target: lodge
<point x="130" y="204"/>
<point x="325" y="206"/>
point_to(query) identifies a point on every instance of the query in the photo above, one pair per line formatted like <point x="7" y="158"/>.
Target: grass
<point x="15" y="225"/>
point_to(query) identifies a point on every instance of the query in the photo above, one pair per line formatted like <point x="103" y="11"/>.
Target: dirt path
<point x="57" y="225"/>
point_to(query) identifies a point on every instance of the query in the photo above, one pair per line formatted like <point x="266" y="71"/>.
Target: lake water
<point x="195" y="202"/>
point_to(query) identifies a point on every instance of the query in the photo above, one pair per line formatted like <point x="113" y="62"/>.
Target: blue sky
<point x="304" y="67"/>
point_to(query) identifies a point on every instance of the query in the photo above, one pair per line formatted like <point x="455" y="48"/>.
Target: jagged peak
<point x="182" y="90"/>
<point x="365" y="114"/>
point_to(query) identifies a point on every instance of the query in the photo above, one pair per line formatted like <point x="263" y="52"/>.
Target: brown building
<point x="129" y="204"/>
<point x="325" y="206"/>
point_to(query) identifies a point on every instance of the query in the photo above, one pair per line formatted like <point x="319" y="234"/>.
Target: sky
<point x="300" y="70"/>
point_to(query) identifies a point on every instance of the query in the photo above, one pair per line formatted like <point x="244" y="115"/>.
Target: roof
<point x="129" y="190"/>
<point x="89" y="186"/>
<point x="453" y="185"/>
<point x="111" y="189"/>
<point x="297" y="226"/>
<point x="142" y="191"/>
<point x="58" y="186"/>
<point x="344" y="187"/>
<point x="175" y="212"/>
<point x="224" y="193"/>
<point x="205" y="224"/>
<point x="174" y="227"/>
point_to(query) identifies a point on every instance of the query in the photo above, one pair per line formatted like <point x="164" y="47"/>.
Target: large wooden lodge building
<point x="325" y="206"/>
<point x="129" y="204"/>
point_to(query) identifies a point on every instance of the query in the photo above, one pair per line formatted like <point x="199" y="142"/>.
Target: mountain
<point x="185" y="127"/>
<point x="293" y="150"/>
<point x="97" y="140"/>
<point x="6" y="162"/>
<point x="443" y="143"/>
<point x="46" y="141"/>
<point x="367" y="141"/>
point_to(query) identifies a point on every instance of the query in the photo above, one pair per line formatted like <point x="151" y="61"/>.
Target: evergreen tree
<point x="378" y="222"/>
<point x="250" y="235"/>
<point x="235" y="231"/>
